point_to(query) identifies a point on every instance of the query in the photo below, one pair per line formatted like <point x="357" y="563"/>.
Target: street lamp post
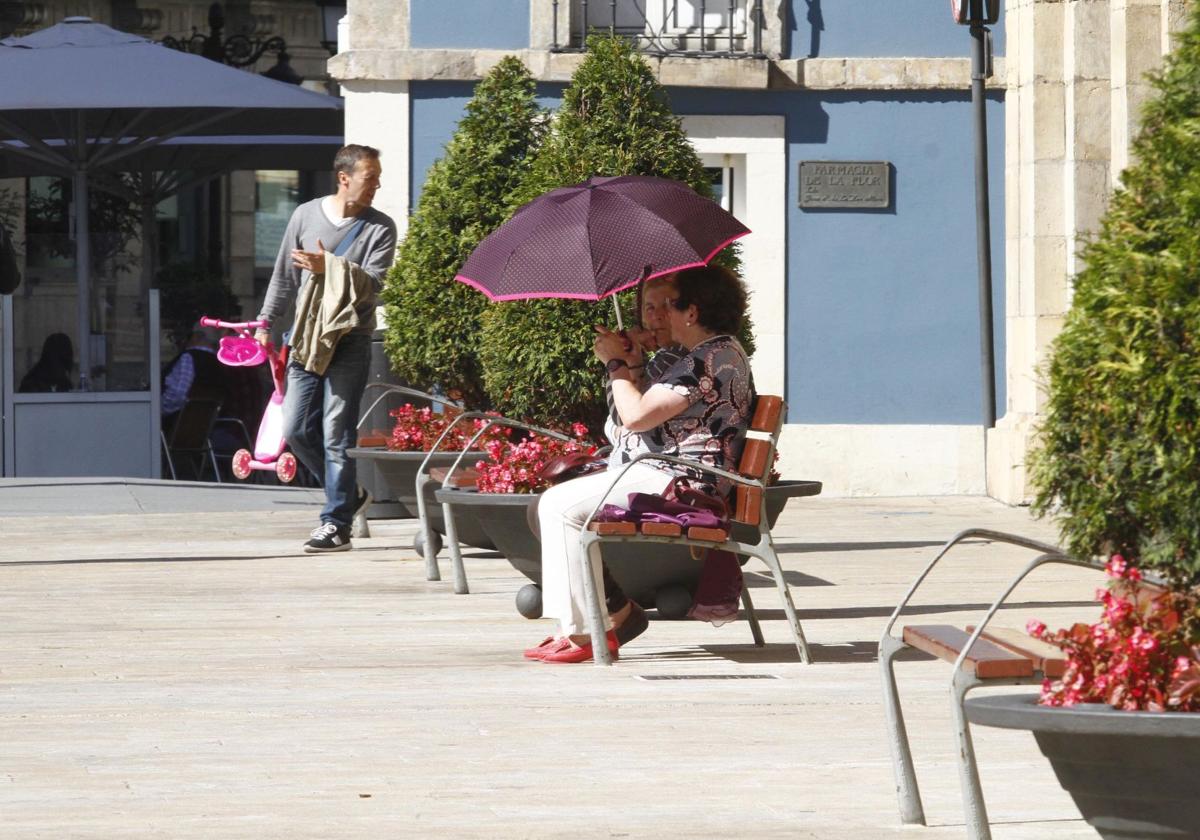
<point x="977" y="14"/>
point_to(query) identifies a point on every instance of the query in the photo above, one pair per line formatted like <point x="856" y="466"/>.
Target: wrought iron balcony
<point x="695" y="28"/>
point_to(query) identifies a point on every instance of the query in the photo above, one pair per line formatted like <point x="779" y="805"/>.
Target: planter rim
<point x="1021" y="711"/>
<point x="458" y="496"/>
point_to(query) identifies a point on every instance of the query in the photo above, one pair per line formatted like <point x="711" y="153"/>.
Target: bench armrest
<point x="389" y="389"/>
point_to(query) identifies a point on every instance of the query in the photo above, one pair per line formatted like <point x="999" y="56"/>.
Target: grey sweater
<point x="373" y="250"/>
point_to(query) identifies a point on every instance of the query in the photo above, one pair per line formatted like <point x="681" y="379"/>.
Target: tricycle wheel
<point x="241" y="463"/>
<point x="285" y="467"/>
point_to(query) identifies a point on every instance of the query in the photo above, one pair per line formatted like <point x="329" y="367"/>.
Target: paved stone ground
<point x="187" y="673"/>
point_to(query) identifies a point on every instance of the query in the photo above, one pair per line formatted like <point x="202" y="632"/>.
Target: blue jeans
<point x="320" y="422"/>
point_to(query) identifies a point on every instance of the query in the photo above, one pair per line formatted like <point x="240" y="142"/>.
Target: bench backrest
<point x="758" y="456"/>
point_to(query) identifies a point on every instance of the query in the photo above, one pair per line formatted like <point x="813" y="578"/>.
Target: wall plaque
<point x="845" y="184"/>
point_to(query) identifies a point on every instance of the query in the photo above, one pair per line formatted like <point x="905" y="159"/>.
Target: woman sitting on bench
<point x="698" y="410"/>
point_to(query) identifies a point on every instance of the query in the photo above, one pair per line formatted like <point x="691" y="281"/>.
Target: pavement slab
<point x="175" y="667"/>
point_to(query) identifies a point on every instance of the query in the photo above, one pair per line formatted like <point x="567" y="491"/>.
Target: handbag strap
<point x="348" y="239"/>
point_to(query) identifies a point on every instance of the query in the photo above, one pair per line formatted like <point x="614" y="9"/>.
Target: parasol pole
<point x="79" y="197"/>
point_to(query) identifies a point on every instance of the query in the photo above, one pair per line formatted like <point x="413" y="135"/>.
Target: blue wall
<point x="470" y="24"/>
<point x="909" y="28"/>
<point x="882" y="306"/>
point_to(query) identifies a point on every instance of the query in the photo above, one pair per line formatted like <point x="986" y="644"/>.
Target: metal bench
<point x="749" y="507"/>
<point x="981" y="656"/>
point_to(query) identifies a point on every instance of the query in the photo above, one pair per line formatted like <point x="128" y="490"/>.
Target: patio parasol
<point x="597" y="238"/>
<point x="108" y="96"/>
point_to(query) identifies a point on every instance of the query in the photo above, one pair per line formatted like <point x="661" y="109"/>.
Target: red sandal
<point x="572" y="653"/>
<point x="547" y="645"/>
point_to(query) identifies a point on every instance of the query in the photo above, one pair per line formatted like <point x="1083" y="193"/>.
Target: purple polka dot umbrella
<point x="599" y="237"/>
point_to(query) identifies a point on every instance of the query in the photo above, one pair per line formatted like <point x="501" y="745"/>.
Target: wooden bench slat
<point x="1047" y="658"/>
<point x="716" y="535"/>
<point x="767" y="411"/>
<point x="747" y="504"/>
<point x="613" y="529"/>
<point x="754" y="462"/>
<point x="661" y="529"/>
<point x="986" y="660"/>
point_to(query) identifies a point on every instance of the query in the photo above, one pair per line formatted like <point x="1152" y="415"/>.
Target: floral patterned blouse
<point x="715" y="377"/>
<point x="627" y="444"/>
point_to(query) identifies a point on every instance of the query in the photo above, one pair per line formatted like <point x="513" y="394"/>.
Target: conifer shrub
<point x="615" y="119"/>
<point x="432" y="321"/>
<point x="1118" y="461"/>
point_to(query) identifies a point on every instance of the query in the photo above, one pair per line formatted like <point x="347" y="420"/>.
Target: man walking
<point x="332" y="262"/>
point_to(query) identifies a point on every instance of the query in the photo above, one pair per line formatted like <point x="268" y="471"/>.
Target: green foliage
<point x="1119" y="457"/>
<point x="188" y="291"/>
<point x="615" y="119"/>
<point x="114" y="222"/>
<point x="433" y="327"/>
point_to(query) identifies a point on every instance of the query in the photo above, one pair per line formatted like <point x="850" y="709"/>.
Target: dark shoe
<point x="573" y="653"/>
<point x="548" y="645"/>
<point x="361" y="502"/>
<point x="328" y="537"/>
<point x="634" y="625"/>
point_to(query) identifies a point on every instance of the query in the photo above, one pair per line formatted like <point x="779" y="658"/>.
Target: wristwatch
<point x="615" y="365"/>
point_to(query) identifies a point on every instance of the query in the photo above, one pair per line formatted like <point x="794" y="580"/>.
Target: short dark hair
<point x="718" y="294"/>
<point x="348" y="157"/>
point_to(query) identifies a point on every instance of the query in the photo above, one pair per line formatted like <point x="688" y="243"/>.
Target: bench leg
<point x="974" y="809"/>
<point x="907" y="791"/>
<point x="752" y="617"/>
<point x="769" y="557"/>
<point x="456" y="560"/>
<point x="592" y="588"/>
<point x="431" y="564"/>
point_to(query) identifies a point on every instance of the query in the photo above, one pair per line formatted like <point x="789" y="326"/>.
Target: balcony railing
<point x="696" y="28"/>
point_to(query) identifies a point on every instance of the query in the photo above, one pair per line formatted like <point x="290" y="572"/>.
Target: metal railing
<point x="695" y="28"/>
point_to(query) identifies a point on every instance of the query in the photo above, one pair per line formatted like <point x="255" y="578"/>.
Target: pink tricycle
<point x="242" y="350"/>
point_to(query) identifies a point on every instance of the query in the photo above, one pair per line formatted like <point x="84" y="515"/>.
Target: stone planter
<point x="652" y="574"/>
<point x="396" y="473"/>
<point x="1133" y="775"/>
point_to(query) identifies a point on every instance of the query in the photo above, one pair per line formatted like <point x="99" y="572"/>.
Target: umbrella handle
<point x="617" y="309"/>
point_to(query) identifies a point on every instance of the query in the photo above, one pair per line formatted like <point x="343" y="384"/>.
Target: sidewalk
<point x="175" y="667"/>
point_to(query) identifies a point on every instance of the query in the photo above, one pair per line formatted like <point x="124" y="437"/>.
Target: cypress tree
<point x="615" y="119"/>
<point x="1118" y="461"/>
<point x="432" y="321"/>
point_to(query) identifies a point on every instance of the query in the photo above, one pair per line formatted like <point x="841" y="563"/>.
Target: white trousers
<point x="562" y="510"/>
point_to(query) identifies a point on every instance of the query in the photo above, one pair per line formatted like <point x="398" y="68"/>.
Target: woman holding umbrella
<point x="698" y="410"/>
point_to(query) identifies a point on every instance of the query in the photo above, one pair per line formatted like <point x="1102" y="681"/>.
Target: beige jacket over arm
<point x="326" y="310"/>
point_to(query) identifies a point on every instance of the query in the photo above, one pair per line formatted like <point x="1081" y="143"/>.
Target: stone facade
<point x="1076" y="79"/>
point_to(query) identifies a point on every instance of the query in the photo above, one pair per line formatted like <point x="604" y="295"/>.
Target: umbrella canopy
<point x="599" y="237"/>
<point x="108" y="96"/>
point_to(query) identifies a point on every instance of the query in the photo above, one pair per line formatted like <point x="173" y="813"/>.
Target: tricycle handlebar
<point x="205" y="321"/>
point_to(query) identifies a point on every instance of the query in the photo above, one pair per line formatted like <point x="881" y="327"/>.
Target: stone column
<point x="1036" y="241"/>
<point x="1138" y="39"/>
<point x="1076" y="87"/>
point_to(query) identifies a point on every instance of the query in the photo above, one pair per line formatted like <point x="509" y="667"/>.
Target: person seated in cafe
<point x="698" y="410"/>
<point x="52" y="371"/>
<point x="195" y="371"/>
